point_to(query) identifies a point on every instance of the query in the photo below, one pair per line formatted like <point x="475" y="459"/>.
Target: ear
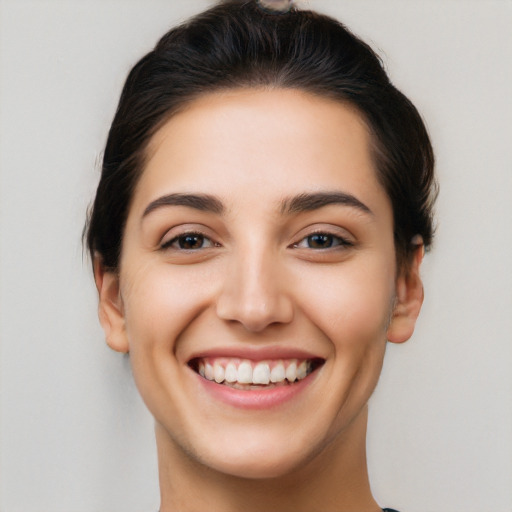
<point x="110" y="308"/>
<point x="409" y="298"/>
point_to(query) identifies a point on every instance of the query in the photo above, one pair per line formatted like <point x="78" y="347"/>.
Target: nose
<point x="255" y="293"/>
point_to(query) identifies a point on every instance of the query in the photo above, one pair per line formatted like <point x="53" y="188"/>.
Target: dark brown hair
<point x="240" y="44"/>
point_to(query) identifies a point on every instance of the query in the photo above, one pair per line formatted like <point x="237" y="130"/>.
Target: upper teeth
<point x="247" y="372"/>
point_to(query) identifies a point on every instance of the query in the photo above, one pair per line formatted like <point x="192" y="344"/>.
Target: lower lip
<point x="256" y="398"/>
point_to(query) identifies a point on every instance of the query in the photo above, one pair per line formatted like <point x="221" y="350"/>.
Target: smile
<point x="246" y="374"/>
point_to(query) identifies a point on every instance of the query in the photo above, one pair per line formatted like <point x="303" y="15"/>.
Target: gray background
<point x="74" y="436"/>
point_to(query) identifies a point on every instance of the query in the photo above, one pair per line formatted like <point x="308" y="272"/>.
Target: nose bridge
<point x="254" y="291"/>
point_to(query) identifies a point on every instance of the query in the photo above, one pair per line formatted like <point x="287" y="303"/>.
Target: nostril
<point x="254" y="292"/>
<point x="253" y="317"/>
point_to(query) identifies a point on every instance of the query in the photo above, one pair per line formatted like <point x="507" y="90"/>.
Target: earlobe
<point x="409" y="298"/>
<point x="110" y="307"/>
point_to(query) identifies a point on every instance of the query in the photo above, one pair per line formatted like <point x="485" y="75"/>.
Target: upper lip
<point x="255" y="353"/>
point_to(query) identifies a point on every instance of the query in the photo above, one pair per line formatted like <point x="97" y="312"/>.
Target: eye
<point x="189" y="242"/>
<point x="322" y="241"/>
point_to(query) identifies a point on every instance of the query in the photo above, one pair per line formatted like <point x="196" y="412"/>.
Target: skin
<point x="258" y="281"/>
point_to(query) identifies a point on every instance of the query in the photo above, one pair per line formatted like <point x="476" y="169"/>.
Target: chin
<point x="260" y="453"/>
<point x="259" y="467"/>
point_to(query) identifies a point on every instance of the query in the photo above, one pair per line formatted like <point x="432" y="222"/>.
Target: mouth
<point x="250" y="375"/>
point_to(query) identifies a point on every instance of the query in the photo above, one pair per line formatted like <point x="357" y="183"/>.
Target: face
<point x="257" y="282"/>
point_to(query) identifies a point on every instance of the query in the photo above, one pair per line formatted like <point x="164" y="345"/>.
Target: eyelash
<point x="336" y="241"/>
<point x="333" y="240"/>
<point x="183" y="236"/>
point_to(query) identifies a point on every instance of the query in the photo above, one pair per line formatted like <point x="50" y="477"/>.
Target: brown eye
<point x="321" y="241"/>
<point x="189" y="242"/>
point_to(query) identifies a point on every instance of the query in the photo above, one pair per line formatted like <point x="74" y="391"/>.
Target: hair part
<point x="242" y="44"/>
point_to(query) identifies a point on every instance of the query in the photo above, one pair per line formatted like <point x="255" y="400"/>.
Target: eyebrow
<point x="297" y="204"/>
<point x="203" y="202"/>
<point x="314" y="201"/>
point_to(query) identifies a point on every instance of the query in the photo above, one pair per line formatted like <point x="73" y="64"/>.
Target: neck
<point x="334" y="480"/>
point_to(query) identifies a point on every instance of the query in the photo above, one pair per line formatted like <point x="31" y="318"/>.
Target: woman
<point x="257" y="234"/>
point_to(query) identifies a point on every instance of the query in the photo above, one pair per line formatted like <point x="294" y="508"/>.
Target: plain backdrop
<point x="74" y="435"/>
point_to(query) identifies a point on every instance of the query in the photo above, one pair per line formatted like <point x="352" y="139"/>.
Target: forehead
<point x="263" y="144"/>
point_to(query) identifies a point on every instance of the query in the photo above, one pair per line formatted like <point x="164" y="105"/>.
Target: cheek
<point x="352" y="309"/>
<point x="160" y="301"/>
<point x="352" y="304"/>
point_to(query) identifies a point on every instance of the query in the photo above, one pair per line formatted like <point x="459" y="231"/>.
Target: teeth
<point x="278" y="374"/>
<point x="208" y="371"/>
<point x="261" y="374"/>
<point x="218" y="373"/>
<point x="291" y="372"/>
<point x="231" y="373"/>
<point x="243" y="372"/>
<point x="302" y="370"/>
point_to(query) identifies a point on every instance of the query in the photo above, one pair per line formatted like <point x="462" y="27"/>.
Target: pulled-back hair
<point x="240" y="44"/>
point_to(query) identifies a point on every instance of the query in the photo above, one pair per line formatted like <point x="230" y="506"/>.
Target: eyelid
<point x="339" y="242"/>
<point x="169" y="243"/>
<point x="346" y="238"/>
<point x="173" y="234"/>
